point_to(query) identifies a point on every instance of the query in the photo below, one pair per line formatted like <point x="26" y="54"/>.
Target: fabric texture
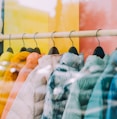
<point x="59" y="85"/>
<point x="29" y="101"/>
<point x="31" y="63"/>
<point x="97" y="105"/>
<point x="17" y="62"/>
<point x="112" y="100"/>
<point x="82" y="88"/>
<point x="4" y="62"/>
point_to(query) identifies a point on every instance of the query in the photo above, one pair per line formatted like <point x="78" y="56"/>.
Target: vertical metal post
<point x="2" y="16"/>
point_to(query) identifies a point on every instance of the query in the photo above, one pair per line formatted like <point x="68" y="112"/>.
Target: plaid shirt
<point x="59" y="85"/>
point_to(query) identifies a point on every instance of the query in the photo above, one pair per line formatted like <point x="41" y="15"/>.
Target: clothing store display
<point x="112" y="100"/>
<point x="55" y="85"/>
<point x="97" y="105"/>
<point x="11" y="73"/>
<point x="29" y="101"/>
<point x="31" y="63"/>
<point x="57" y="89"/>
<point x="82" y="88"/>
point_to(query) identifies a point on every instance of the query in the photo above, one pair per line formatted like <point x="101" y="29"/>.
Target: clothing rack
<point x="87" y="33"/>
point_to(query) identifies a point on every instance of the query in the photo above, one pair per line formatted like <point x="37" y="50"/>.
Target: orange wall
<point x="98" y="14"/>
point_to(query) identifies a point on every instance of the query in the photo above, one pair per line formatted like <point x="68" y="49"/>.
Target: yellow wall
<point x="66" y="19"/>
<point x="23" y="19"/>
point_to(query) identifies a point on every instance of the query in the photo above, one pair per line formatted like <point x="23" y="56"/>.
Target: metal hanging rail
<point x="88" y="33"/>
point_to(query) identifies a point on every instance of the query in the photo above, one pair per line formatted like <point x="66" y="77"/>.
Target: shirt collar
<point x="94" y="62"/>
<point x="72" y="60"/>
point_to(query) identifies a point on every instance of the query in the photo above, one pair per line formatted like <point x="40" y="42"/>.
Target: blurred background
<point x="30" y="16"/>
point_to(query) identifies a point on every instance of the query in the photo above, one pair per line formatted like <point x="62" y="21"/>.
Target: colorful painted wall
<point x="61" y="15"/>
<point x="98" y="14"/>
<point x="30" y="16"/>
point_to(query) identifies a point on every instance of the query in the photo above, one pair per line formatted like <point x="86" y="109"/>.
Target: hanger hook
<point x="97" y="36"/>
<point x="23" y="39"/>
<point x="53" y="38"/>
<point x="70" y="37"/>
<point x="9" y="40"/>
<point x="35" y="39"/>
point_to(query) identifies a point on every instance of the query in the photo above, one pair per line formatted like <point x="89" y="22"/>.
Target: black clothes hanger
<point x="36" y="49"/>
<point x="9" y="49"/>
<point x="98" y="50"/>
<point x="53" y="50"/>
<point x="30" y="50"/>
<point x="23" y="48"/>
<point x="72" y="49"/>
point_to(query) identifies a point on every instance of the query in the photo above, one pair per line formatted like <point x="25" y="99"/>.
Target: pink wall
<point x="98" y="14"/>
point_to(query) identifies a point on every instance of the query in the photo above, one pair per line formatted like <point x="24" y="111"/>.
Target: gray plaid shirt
<point x="59" y="85"/>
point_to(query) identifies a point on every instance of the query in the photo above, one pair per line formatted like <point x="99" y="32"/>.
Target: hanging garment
<point x="82" y="88"/>
<point x="31" y="63"/>
<point x="98" y="102"/>
<point x="17" y="62"/>
<point x="6" y="56"/>
<point x="58" y="91"/>
<point x="4" y="62"/>
<point x="112" y="100"/>
<point x="29" y="101"/>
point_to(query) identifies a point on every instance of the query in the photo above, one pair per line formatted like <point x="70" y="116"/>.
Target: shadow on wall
<point x="98" y="14"/>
